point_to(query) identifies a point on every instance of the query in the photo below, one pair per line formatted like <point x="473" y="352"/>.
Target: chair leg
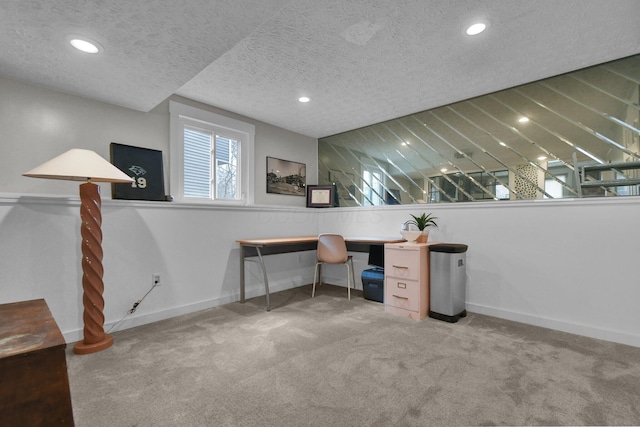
<point x="348" y="280"/>
<point x="315" y="274"/>
<point x="353" y="274"/>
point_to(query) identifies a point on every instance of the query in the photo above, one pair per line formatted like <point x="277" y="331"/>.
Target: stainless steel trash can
<point x="448" y="281"/>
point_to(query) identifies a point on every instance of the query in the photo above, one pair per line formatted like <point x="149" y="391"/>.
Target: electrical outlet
<point x="155" y="279"/>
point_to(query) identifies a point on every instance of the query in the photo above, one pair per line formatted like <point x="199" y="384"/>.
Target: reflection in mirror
<point x="574" y="135"/>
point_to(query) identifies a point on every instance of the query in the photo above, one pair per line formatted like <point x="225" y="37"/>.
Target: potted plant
<point x="422" y="222"/>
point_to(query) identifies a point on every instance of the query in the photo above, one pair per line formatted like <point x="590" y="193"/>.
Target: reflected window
<point x="372" y="192"/>
<point x="459" y="187"/>
<point x="553" y="187"/>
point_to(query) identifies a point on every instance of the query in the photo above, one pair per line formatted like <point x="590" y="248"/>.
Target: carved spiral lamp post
<point x="86" y="165"/>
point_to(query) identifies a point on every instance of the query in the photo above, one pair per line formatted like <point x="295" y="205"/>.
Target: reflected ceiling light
<point x="503" y="144"/>
<point x="85" y="44"/>
<point x="542" y="158"/>
<point x="476" y="28"/>
<point x="523" y="119"/>
<point x="443" y="170"/>
<point x="304" y="99"/>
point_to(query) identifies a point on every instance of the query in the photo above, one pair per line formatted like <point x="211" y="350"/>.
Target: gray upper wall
<point x="37" y="124"/>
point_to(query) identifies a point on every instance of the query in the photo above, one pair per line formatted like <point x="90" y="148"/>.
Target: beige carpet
<point x="328" y="361"/>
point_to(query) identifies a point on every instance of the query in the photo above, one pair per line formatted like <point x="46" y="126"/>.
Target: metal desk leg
<point x="242" y="273"/>
<point x="266" y="282"/>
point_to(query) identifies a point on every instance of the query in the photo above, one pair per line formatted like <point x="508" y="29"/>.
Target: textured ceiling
<point x="360" y="62"/>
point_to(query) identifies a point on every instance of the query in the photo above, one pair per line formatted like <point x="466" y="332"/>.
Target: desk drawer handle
<point x="400" y="266"/>
<point x="398" y="296"/>
<point x="402" y="285"/>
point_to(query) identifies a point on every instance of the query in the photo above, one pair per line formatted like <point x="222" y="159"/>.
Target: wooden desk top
<point x="27" y="326"/>
<point x="380" y="240"/>
<point x="278" y="240"/>
<point x="309" y="239"/>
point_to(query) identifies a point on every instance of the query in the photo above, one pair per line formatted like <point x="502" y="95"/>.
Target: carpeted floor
<point x="328" y="361"/>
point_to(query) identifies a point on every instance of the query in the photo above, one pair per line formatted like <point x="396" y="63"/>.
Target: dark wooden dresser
<point x="34" y="386"/>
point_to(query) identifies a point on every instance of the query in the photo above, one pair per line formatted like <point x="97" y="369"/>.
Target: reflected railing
<point x="573" y="135"/>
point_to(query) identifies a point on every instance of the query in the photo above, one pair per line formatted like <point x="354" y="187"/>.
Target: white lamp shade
<point x="79" y="165"/>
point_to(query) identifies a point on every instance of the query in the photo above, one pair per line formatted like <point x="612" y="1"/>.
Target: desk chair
<point x="332" y="249"/>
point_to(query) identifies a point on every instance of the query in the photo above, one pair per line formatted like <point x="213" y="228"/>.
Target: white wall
<point x="566" y="265"/>
<point x="569" y="265"/>
<point x="191" y="246"/>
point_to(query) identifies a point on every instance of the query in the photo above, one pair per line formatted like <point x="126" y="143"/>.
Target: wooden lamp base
<point x="92" y="271"/>
<point x="81" y="348"/>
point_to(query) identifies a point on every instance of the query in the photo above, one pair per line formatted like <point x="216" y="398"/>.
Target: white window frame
<point x="184" y="115"/>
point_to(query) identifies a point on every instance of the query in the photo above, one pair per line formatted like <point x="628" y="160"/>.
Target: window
<point x="553" y="187"/>
<point x="457" y="187"/>
<point x="211" y="156"/>
<point x="372" y="190"/>
<point x="211" y="165"/>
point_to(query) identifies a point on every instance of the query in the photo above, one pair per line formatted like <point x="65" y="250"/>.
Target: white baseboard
<point x="573" y="328"/>
<point x="135" y="319"/>
<point x="144" y="318"/>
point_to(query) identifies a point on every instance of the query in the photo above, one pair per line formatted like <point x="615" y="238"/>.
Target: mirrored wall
<point x="574" y="135"/>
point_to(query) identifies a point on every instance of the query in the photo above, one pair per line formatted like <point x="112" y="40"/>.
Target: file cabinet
<point x="406" y="280"/>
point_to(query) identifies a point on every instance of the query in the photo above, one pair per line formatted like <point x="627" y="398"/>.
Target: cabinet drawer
<point x="404" y="263"/>
<point x="402" y="293"/>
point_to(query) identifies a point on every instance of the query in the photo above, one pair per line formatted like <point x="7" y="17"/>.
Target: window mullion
<point x="214" y="167"/>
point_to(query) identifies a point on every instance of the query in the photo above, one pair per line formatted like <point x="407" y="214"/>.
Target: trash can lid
<point x="451" y="248"/>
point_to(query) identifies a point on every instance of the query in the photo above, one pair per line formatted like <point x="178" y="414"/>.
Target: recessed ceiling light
<point x="503" y="144"/>
<point x="443" y="170"/>
<point x="304" y="99"/>
<point x="523" y="119"/>
<point x="85" y="44"/>
<point x="476" y="28"/>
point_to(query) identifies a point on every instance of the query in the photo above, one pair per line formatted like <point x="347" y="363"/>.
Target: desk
<point x="280" y="245"/>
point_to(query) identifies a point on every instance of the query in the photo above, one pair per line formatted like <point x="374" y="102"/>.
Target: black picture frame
<point x="286" y="177"/>
<point x="321" y="196"/>
<point x="144" y="166"/>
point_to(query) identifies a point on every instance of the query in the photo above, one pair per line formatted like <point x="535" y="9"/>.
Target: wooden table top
<point x="27" y="326"/>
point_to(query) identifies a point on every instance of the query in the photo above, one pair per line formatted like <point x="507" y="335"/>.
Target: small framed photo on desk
<point x="320" y="196"/>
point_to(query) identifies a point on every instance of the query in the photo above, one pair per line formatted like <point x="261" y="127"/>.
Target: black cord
<point x="133" y="308"/>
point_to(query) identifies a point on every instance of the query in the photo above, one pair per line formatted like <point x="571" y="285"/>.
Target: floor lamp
<point x="86" y="165"/>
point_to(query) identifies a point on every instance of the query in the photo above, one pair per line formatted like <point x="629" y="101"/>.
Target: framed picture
<point x="144" y="165"/>
<point x="321" y="196"/>
<point x="286" y="177"/>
